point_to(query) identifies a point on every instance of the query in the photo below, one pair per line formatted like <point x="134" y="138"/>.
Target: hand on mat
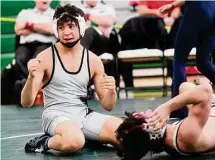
<point x="159" y="117"/>
<point x="33" y="67"/>
<point x="166" y="9"/>
<point x="108" y="82"/>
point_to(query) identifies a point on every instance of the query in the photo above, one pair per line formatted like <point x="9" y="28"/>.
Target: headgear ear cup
<point x="54" y="27"/>
<point x="82" y="25"/>
<point x="81" y="22"/>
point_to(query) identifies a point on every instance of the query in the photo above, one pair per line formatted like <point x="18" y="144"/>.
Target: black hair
<point x="67" y="13"/>
<point x="134" y="141"/>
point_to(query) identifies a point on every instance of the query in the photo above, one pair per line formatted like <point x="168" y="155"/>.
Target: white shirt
<point x="35" y="16"/>
<point x="100" y="10"/>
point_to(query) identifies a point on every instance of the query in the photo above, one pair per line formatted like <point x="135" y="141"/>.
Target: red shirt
<point x="154" y="4"/>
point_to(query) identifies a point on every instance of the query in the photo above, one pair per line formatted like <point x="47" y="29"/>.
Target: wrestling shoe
<point x="38" y="144"/>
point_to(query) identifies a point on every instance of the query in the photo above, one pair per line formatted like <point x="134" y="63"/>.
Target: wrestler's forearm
<point x="192" y="96"/>
<point x="108" y="102"/>
<point x="29" y="93"/>
<point x="23" y="32"/>
<point x="43" y="28"/>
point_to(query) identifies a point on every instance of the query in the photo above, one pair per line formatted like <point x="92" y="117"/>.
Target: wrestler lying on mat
<point x="148" y="131"/>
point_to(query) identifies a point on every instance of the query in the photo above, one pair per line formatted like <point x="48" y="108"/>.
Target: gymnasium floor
<point x="18" y="125"/>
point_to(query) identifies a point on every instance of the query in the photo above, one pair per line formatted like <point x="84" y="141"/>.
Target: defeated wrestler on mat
<point x="148" y="131"/>
<point x="65" y="71"/>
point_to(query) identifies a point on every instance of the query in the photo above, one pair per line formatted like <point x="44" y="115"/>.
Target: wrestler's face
<point x="68" y="32"/>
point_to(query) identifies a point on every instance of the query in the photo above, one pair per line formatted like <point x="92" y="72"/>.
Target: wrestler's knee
<point x="73" y="144"/>
<point x="186" y="86"/>
<point x="72" y="137"/>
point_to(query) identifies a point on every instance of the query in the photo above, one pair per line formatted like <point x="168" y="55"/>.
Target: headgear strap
<point x="152" y="133"/>
<point x="158" y="134"/>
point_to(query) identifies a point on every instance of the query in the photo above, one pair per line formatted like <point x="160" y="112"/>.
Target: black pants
<point x="25" y="52"/>
<point x="95" y="42"/>
<point x="140" y="32"/>
<point x="99" y="44"/>
<point x="13" y="78"/>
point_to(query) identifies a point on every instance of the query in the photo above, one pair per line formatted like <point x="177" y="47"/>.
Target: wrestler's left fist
<point x="108" y="82"/>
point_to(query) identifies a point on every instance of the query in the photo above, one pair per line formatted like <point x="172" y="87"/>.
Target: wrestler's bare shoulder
<point x="45" y="57"/>
<point x="94" y="59"/>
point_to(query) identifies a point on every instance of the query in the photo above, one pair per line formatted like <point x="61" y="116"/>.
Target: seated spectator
<point x="100" y="37"/>
<point x="173" y="20"/>
<point x="34" y="27"/>
<point x="140" y="32"/>
<point x="101" y="18"/>
<point x="152" y="8"/>
<point x="34" y="34"/>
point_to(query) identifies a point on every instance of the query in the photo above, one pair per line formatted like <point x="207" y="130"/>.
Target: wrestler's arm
<point x="192" y="96"/>
<point x="34" y="80"/>
<point x="105" y="90"/>
<point x="201" y="98"/>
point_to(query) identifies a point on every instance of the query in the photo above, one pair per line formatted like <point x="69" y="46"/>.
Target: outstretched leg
<point x="101" y="127"/>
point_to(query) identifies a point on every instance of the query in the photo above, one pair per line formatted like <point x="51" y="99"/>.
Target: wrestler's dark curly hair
<point x="71" y="12"/>
<point x="134" y="141"/>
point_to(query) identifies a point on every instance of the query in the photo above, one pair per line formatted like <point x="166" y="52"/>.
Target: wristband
<point x="29" y="25"/>
<point x="87" y="15"/>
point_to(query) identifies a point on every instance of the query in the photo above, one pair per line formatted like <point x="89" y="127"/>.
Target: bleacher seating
<point x="169" y="53"/>
<point x="146" y="56"/>
<point x="9" y="11"/>
<point x="143" y="56"/>
<point x="7" y="43"/>
<point x="7" y="25"/>
<point x="106" y="57"/>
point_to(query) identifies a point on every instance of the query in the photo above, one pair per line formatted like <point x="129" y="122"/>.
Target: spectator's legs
<point x="186" y="39"/>
<point x="40" y="48"/>
<point x="172" y="34"/>
<point x="203" y="61"/>
<point x="8" y="78"/>
<point x="126" y="72"/>
<point x="87" y="40"/>
<point x="22" y="56"/>
<point x="95" y="42"/>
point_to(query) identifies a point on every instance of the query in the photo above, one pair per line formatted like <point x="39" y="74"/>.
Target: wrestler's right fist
<point x="33" y="67"/>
